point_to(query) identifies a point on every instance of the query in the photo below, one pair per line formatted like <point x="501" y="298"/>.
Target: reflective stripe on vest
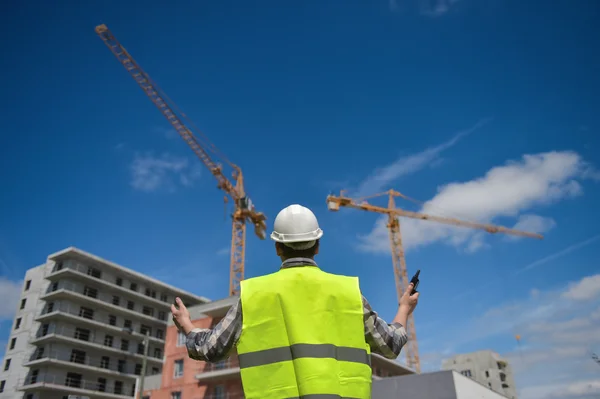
<point x="297" y="351"/>
<point x="303" y="337"/>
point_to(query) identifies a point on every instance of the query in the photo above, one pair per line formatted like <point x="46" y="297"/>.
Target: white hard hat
<point x="297" y="227"/>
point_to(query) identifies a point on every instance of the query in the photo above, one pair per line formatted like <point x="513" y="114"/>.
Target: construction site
<point x="63" y="358"/>
<point x="89" y="328"/>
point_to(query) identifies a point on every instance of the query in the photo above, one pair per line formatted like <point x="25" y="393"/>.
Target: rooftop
<point x="76" y="253"/>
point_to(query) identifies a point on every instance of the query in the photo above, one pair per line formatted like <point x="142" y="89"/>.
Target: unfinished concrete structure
<point x="80" y="326"/>
<point x="187" y="378"/>
<point x="487" y="368"/>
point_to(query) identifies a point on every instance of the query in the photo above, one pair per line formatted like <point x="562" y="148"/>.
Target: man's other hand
<point x="408" y="302"/>
<point x="181" y="316"/>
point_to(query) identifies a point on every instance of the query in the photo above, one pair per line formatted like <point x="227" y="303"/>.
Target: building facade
<point x="487" y="368"/>
<point x="186" y="378"/>
<point x="81" y="329"/>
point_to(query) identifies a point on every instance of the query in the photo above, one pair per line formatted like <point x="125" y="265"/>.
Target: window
<point x="45" y="328"/>
<point x="40" y="353"/>
<point x="104" y="362"/>
<point x="124" y="345"/>
<point x="82" y="334"/>
<point x="127" y="324"/>
<point x="145" y="329"/>
<point x="130" y="305"/>
<point x="466" y="373"/>
<point x="181" y="338"/>
<point x="102" y="384"/>
<point x="2" y="383"/>
<point x="54" y="286"/>
<point x="138" y="369"/>
<point x="116" y="300"/>
<point x="490" y="384"/>
<point x="6" y="364"/>
<point x="91" y="292"/>
<point x="487" y="374"/>
<point x="86" y="313"/>
<point x="178" y="370"/>
<point x="155" y="370"/>
<point x="17" y="323"/>
<point x="27" y="285"/>
<point x="175" y="395"/>
<point x="164" y="298"/>
<point x="133" y="287"/>
<point x="119" y="281"/>
<point x="73" y="380"/>
<point x="162" y="315"/>
<point x="94" y="272"/>
<point x="112" y="320"/>
<point x="50" y="307"/>
<point x="157" y="353"/>
<point x="77" y="356"/>
<point x="160" y="334"/>
<point x="140" y="349"/>
<point x="59" y="266"/>
<point x="118" y="387"/>
<point x="34" y="376"/>
<point x="108" y="340"/>
<point x="13" y="342"/>
<point x="220" y="392"/>
<point x="121" y="366"/>
<point x="23" y="302"/>
<point x="148" y="311"/>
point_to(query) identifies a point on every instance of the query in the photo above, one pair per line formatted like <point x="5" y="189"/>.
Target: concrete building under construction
<point x="81" y="327"/>
<point x="487" y="368"/>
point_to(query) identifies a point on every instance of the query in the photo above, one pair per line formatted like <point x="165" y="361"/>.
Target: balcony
<point x="69" y="290"/>
<point x="75" y="386"/>
<point x="72" y="336"/>
<point x="223" y="370"/>
<point x="82" y="361"/>
<point x="72" y="314"/>
<point x="84" y="273"/>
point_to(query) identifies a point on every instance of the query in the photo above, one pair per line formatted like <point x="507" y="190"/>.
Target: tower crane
<point x="335" y="202"/>
<point x="244" y="210"/>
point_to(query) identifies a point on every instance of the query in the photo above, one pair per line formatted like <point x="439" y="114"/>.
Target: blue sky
<point x="483" y="110"/>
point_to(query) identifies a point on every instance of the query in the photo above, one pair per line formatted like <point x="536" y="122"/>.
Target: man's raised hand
<point x="181" y="316"/>
<point x="408" y="302"/>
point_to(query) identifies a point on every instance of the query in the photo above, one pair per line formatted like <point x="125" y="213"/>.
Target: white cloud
<point x="406" y="165"/>
<point x="534" y="223"/>
<point x="10" y="292"/>
<point x="504" y="191"/>
<point x="558" y="335"/>
<point x="150" y="173"/>
<point x="586" y="289"/>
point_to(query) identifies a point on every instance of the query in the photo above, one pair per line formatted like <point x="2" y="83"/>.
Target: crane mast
<point x="399" y="262"/>
<point x="243" y="208"/>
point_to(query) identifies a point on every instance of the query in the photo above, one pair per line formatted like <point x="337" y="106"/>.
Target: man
<point x="300" y="332"/>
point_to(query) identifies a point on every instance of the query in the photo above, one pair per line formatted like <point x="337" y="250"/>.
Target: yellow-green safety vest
<point x="303" y="336"/>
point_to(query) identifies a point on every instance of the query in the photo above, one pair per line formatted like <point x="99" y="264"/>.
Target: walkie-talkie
<point x="415" y="281"/>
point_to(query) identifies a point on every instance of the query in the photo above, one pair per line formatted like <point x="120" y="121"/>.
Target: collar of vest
<point x="297" y="262"/>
